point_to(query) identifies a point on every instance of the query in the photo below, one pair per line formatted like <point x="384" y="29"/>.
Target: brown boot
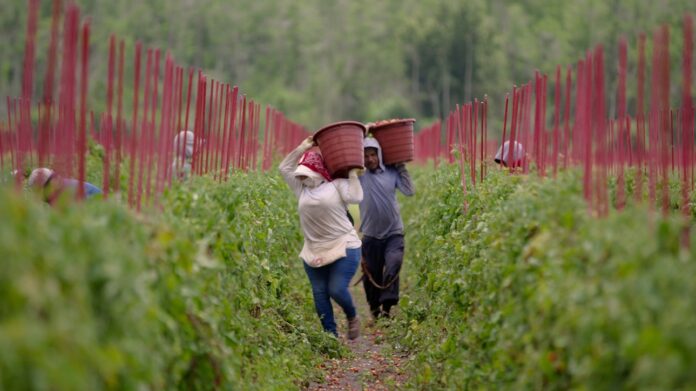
<point x="354" y="328"/>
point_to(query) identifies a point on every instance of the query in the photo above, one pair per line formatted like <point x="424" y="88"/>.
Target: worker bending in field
<point x="510" y="158"/>
<point x="382" y="228"/>
<point x="52" y="186"/>
<point x="183" y="154"/>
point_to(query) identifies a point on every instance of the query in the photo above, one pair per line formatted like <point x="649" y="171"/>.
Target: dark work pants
<point x="384" y="258"/>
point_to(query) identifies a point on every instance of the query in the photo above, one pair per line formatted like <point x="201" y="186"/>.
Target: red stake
<point x="556" y="119"/>
<point x="106" y="130"/>
<point x="265" y="165"/>
<point x="119" y="118"/>
<point x="220" y="129"/>
<point x="240" y="149"/>
<point x="145" y="130"/>
<point x="231" y="142"/>
<point x="474" y="129"/>
<point x="513" y="125"/>
<point x="484" y="134"/>
<point x="134" y="125"/>
<point x="172" y="153"/>
<point x="163" y="135"/>
<point x="110" y="75"/>
<point x="224" y="135"/>
<point x="49" y="79"/>
<point x="566" y="118"/>
<point x="207" y="129"/>
<point x="182" y="152"/>
<point x="29" y="52"/>
<point x="505" y="117"/>
<point x="65" y="132"/>
<point x="152" y="139"/>
<point x="687" y="119"/>
<point x="197" y="161"/>
<point x="82" y="140"/>
<point x="640" y="119"/>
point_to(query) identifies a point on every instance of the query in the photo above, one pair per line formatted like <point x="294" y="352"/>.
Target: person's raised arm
<point x="350" y="189"/>
<point x="289" y="164"/>
<point x="404" y="182"/>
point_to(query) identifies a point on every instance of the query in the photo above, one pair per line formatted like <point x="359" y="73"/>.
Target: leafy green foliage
<point x="528" y="291"/>
<point x="204" y="291"/>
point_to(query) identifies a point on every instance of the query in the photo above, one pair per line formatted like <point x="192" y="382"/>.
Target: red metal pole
<point x="556" y="119"/>
<point x="640" y="119"/>
<point x="566" y="117"/>
<point x="151" y="140"/>
<point x="229" y="155"/>
<point x="134" y="126"/>
<point x="29" y="52"/>
<point x="143" y="147"/>
<point x="240" y="149"/>
<point x="687" y="116"/>
<point x="49" y="80"/>
<point x="82" y="140"/>
<point x="119" y="119"/>
<point x="106" y="130"/>
<point x="505" y="117"/>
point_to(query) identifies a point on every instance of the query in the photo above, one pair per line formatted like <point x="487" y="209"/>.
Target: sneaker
<point x="354" y="328"/>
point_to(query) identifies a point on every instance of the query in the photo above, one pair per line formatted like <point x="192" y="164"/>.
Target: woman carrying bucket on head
<point x="331" y="251"/>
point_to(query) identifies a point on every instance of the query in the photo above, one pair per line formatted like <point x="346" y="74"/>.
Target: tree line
<point x="321" y="61"/>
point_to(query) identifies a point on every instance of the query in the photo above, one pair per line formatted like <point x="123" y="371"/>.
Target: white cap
<point x="185" y="137"/>
<point x="39" y="177"/>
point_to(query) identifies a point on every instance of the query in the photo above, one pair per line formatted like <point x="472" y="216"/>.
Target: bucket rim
<point x="339" y="123"/>
<point x="400" y="121"/>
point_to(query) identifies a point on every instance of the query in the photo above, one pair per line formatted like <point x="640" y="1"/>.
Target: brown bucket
<point x="341" y="145"/>
<point x="396" y="139"/>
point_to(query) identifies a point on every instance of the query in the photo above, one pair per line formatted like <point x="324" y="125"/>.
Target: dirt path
<point x="372" y="365"/>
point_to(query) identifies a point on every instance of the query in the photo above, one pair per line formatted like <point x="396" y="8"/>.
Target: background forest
<point x="325" y="60"/>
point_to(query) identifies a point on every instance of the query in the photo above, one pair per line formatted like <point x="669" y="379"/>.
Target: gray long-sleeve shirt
<point x="379" y="211"/>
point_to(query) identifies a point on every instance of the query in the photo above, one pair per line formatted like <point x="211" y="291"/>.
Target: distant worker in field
<point x="331" y="251"/>
<point x="508" y="158"/>
<point x="183" y="154"/>
<point x="52" y="185"/>
<point x="382" y="228"/>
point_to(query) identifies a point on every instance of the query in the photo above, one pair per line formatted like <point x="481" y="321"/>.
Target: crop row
<point x="204" y="292"/>
<point x="527" y="290"/>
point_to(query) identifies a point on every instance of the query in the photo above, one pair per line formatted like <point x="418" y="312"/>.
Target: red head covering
<point x="315" y="162"/>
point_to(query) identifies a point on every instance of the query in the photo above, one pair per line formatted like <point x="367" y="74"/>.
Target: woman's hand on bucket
<point x="308" y="142"/>
<point x="356" y="172"/>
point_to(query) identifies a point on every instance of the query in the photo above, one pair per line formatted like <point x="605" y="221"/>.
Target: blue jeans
<point x="331" y="282"/>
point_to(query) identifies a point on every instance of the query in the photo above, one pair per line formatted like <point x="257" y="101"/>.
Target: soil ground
<point x="372" y="365"/>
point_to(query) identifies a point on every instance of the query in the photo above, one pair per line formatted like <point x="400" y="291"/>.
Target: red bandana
<point x="315" y="162"/>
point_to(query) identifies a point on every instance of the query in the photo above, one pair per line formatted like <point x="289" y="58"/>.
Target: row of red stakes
<point x="658" y="144"/>
<point x="54" y="132"/>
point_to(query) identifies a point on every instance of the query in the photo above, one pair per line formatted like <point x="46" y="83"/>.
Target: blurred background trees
<point x="321" y="61"/>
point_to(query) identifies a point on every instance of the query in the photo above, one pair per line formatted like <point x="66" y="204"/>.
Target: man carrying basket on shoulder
<point x="382" y="228"/>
